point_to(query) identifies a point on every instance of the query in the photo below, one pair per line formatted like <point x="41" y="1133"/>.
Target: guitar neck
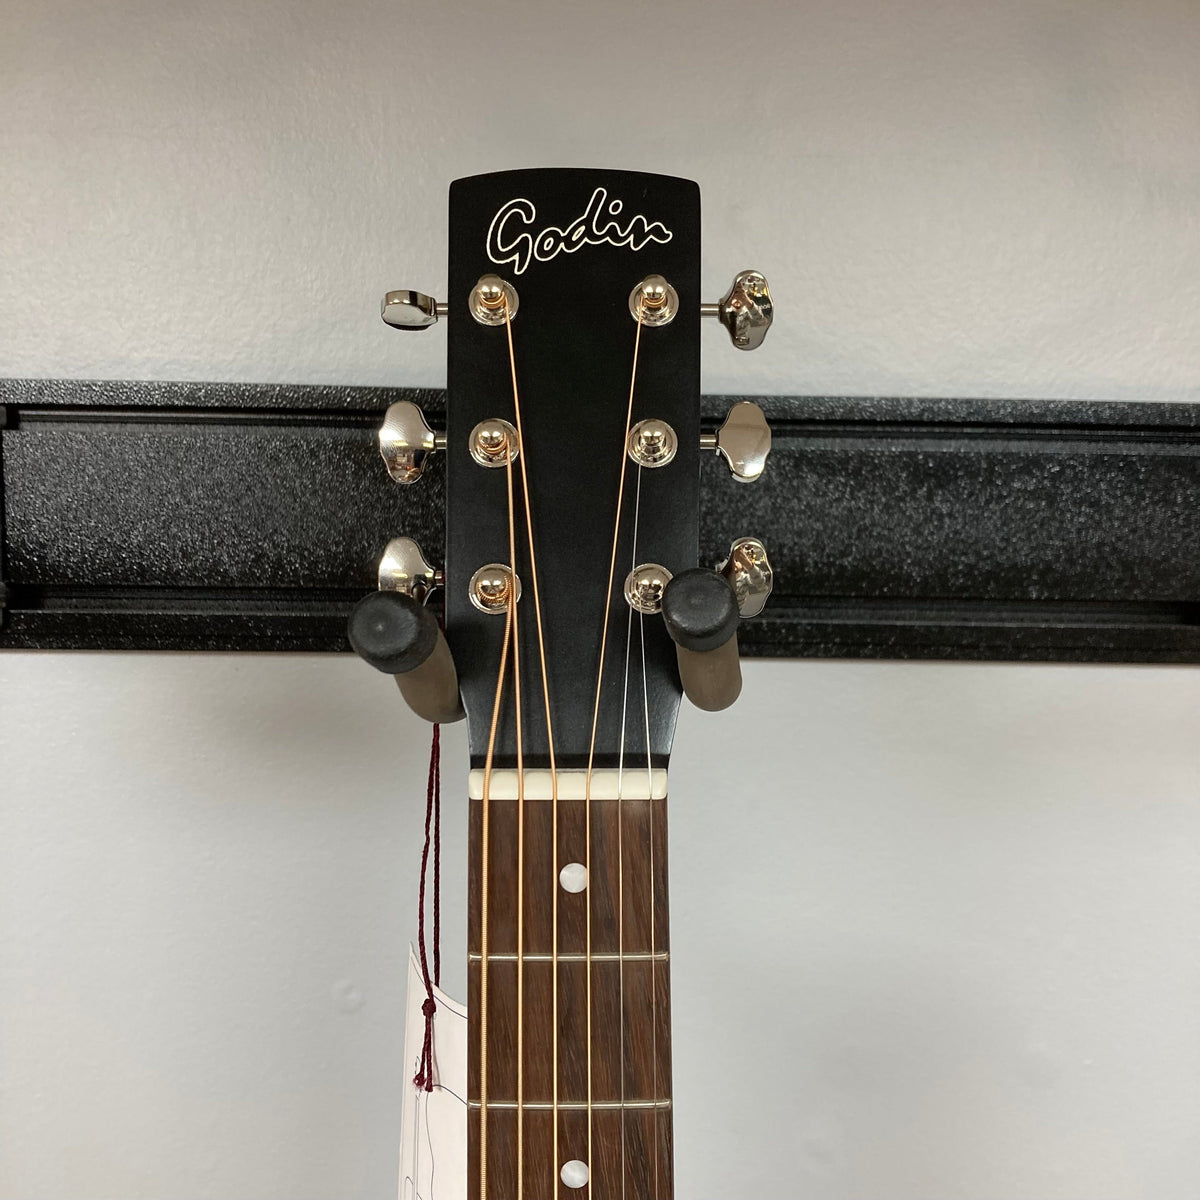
<point x="612" y="1004"/>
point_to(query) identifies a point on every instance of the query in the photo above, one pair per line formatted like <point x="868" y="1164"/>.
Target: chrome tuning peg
<point x="748" y="570"/>
<point x="746" y="310"/>
<point x="411" y="310"/>
<point x="406" y="441"/>
<point x="744" y="441"/>
<point x="404" y="568"/>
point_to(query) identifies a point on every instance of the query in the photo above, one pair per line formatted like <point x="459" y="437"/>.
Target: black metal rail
<point x="174" y="516"/>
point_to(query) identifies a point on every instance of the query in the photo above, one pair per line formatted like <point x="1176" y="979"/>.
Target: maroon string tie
<point x="433" y="838"/>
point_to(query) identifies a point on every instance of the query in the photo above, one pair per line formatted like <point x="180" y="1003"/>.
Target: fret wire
<point x="577" y="957"/>
<point x="577" y="1105"/>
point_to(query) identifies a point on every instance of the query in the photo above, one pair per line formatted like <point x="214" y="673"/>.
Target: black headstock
<point x="575" y="294"/>
<point x="574" y="244"/>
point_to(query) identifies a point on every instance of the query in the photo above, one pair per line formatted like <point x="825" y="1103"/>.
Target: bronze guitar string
<point x="653" y="936"/>
<point x="637" y="512"/>
<point x="621" y="829"/>
<point x="516" y="664"/>
<point x="512" y="639"/>
<point x="523" y="459"/>
<point x="485" y="816"/>
<point x="587" y="791"/>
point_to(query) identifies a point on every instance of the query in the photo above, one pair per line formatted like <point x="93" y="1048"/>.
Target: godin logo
<point x="511" y="238"/>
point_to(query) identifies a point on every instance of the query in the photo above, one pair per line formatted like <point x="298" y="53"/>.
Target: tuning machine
<point x="404" y="568"/>
<point x="744" y="441"/>
<point x="406" y="441"/>
<point x="391" y="628"/>
<point x="746" y="310"/>
<point x="406" y="309"/>
<point x="748" y="571"/>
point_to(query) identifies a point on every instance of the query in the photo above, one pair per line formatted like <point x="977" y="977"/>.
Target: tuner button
<point x="746" y="310"/>
<point x="749" y="571"/>
<point x="410" y="310"/>
<point x="403" y="568"/>
<point x="744" y="441"/>
<point x="406" y="441"/>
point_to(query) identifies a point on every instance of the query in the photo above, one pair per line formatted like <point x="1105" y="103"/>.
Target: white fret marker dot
<point x="573" y="877"/>
<point x="574" y="1173"/>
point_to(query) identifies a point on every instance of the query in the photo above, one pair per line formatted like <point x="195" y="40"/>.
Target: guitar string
<point x="637" y="511"/>
<point x="587" y="788"/>
<point x="621" y="879"/>
<point x="621" y="873"/>
<point x="523" y="459"/>
<point x="485" y="838"/>
<point x="653" y="893"/>
<point x="513" y="607"/>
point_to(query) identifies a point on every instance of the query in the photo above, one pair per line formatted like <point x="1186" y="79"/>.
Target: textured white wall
<point x="951" y="936"/>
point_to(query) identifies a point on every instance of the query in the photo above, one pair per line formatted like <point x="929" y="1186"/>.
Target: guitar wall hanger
<point x="898" y="528"/>
<point x="394" y="631"/>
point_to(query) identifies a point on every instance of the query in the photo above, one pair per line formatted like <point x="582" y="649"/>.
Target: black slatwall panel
<point x="172" y="516"/>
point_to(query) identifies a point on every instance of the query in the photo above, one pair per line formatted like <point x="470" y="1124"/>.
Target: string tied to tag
<point x="433" y="842"/>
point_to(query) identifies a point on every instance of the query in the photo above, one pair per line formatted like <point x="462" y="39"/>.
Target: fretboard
<point x="629" y="1113"/>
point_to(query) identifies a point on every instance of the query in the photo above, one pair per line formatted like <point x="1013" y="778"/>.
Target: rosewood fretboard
<point x="630" y="1025"/>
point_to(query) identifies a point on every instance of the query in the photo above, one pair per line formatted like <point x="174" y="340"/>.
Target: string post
<point x="493" y="301"/>
<point x="653" y="302"/>
<point x="493" y="586"/>
<point x="652" y="443"/>
<point x="491" y="291"/>
<point x="494" y="443"/>
<point x="654" y="291"/>
<point x="644" y="587"/>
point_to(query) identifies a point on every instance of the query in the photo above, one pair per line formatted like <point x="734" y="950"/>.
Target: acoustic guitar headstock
<point x="572" y="448"/>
